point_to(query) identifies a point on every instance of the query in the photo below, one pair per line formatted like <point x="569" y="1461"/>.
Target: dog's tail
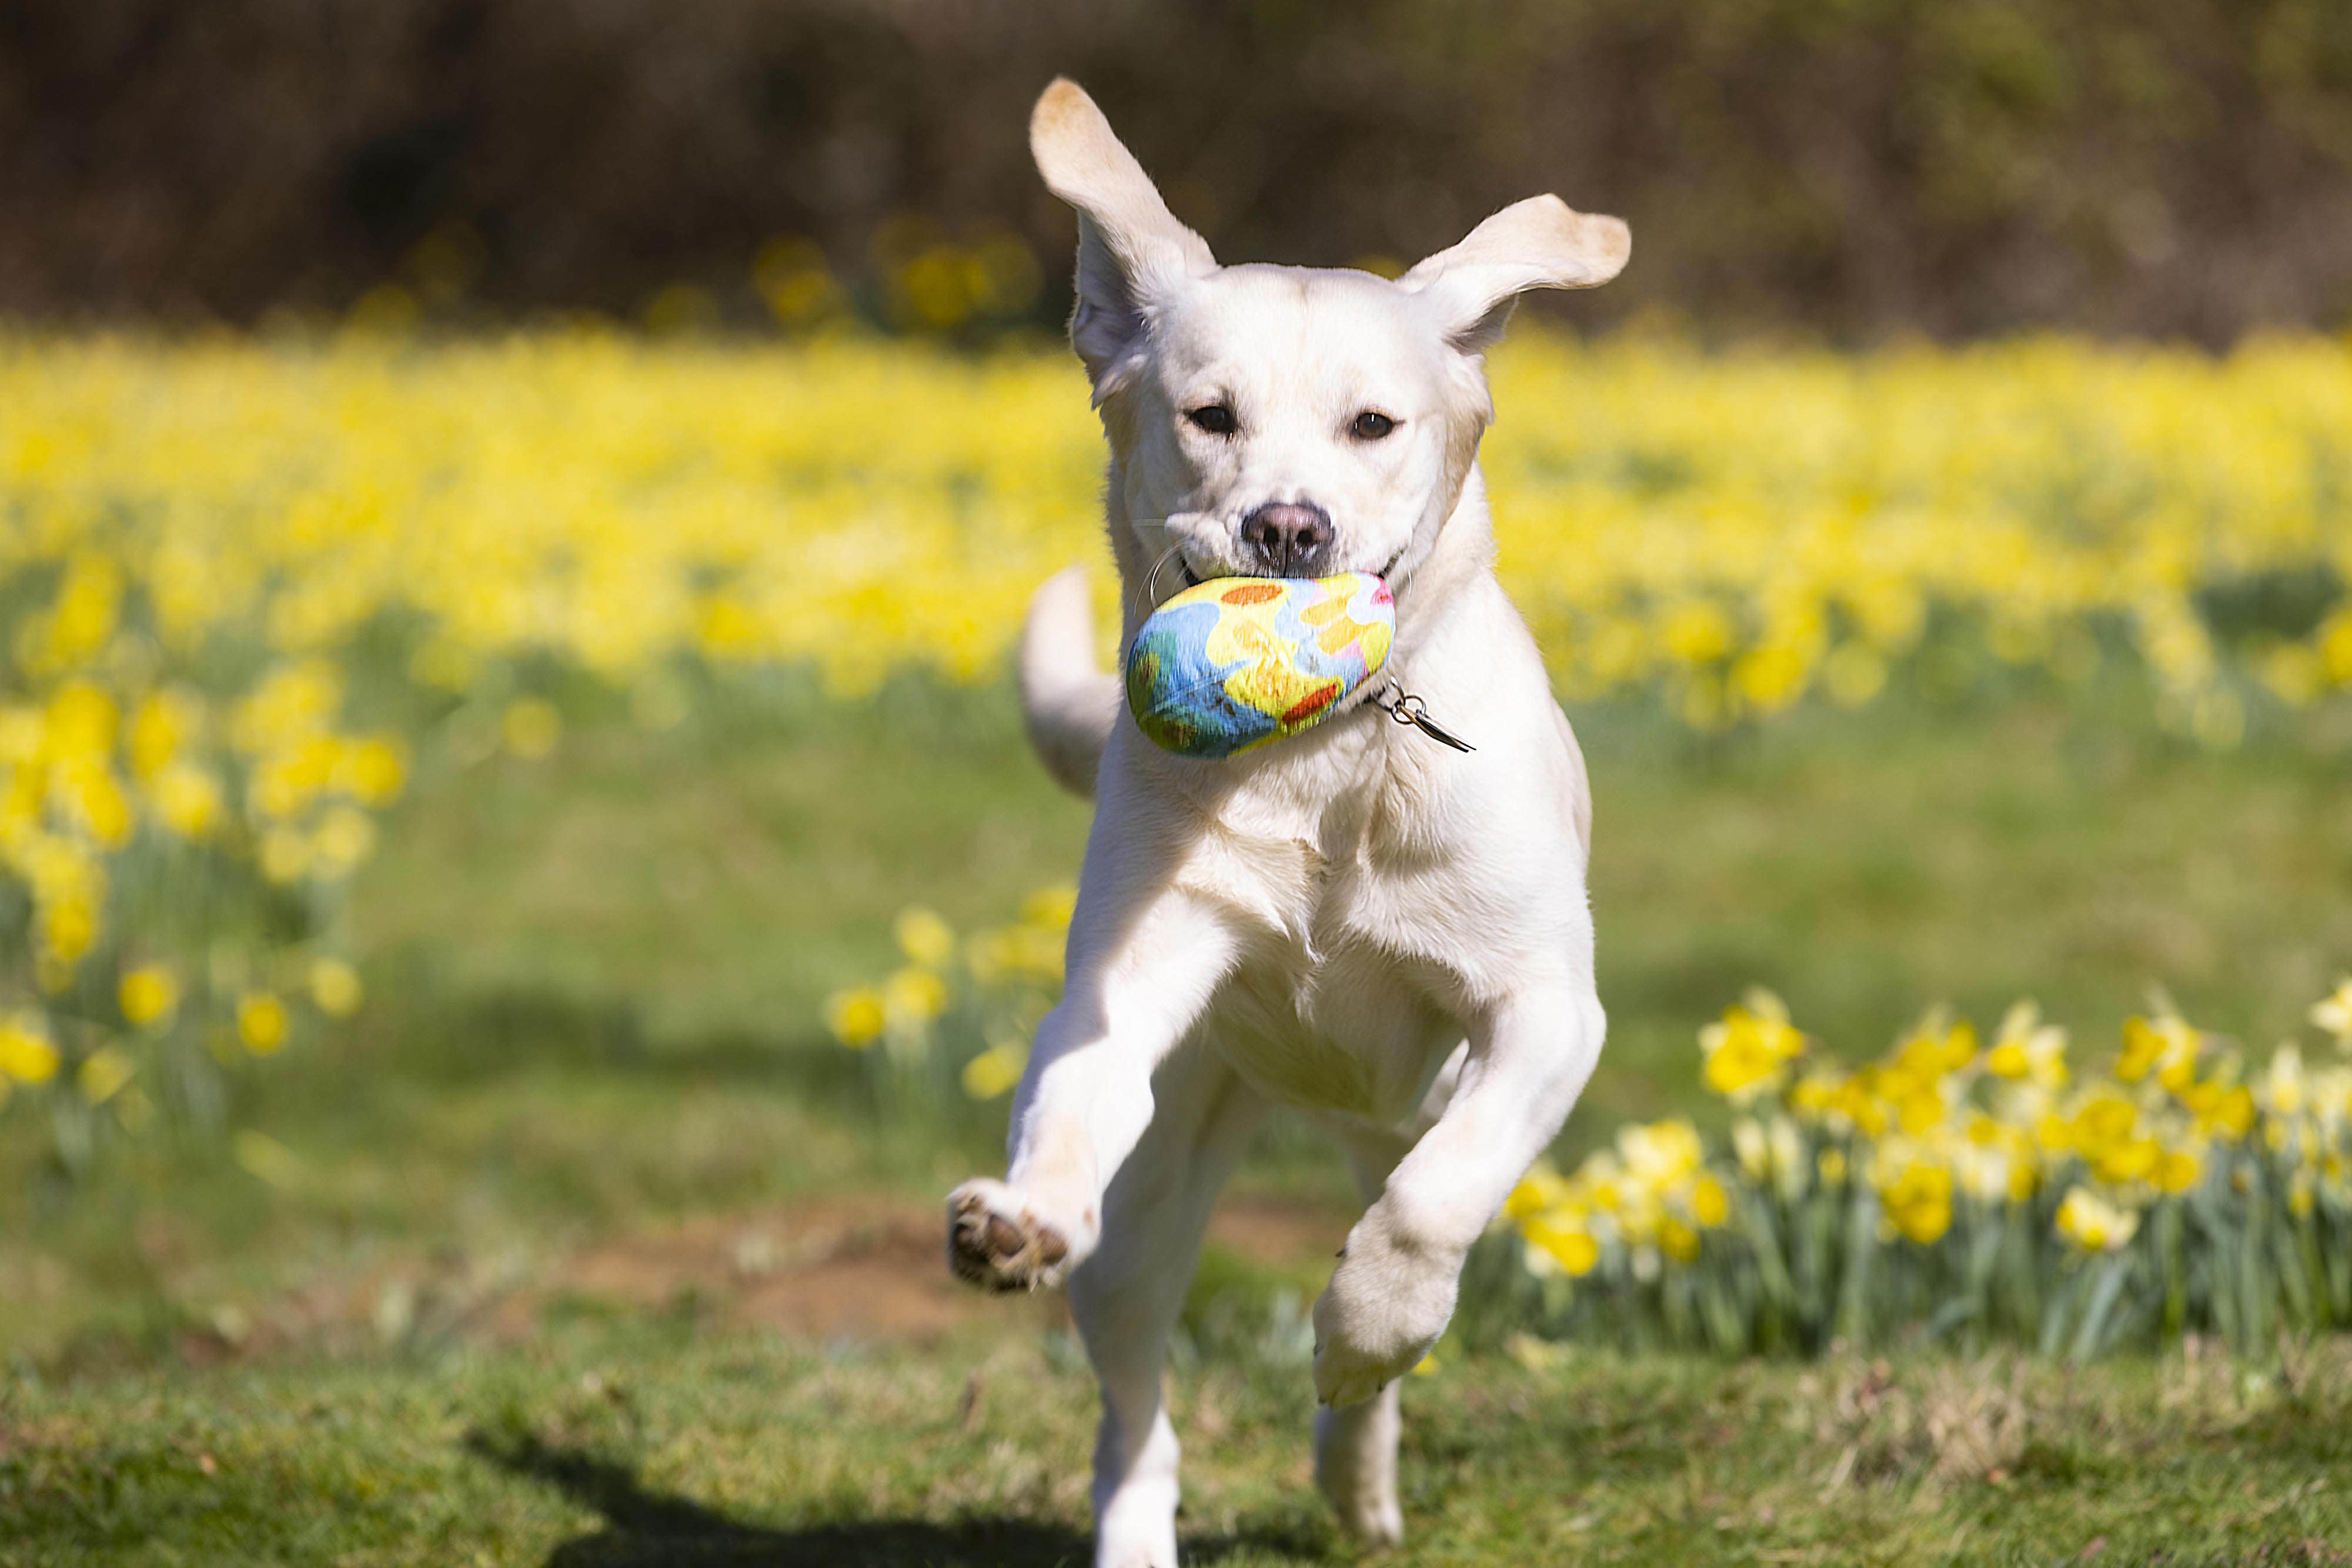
<point x="1067" y="703"/>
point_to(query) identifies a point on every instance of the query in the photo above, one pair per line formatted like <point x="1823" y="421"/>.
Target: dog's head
<point x="1282" y="421"/>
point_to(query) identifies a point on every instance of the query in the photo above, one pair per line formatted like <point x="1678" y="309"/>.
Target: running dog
<point x="1380" y="932"/>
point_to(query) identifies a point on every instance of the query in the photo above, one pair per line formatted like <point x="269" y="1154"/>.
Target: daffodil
<point x="856" y="1016"/>
<point x="1746" y="1051"/>
<point x="342" y="840"/>
<point x="1916" y="1194"/>
<point x="1564" y="1242"/>
<point x="2165" y="1045"/>
<point x="335" y="987"/>
<point x="1660" y="1154"/>
<point x="924" y="938"/>
<point x="1748" y="1143"/>
<point x="1538" y="1190"/>
<point x="2283" y="1091"/>
<point x="2334" y="1012"/>
<point x="2178" y="1169"/>
<point x="2302" y="1193"/>
<point x="372" y="771"/>
<point x="148" y="995"/>
<point x="26" y="1054"/>
<point x="185" y="798"/>
<point x="995" y="1071"/>
<point x="2094" y="1224"/>
<point x="1710" y="1205"/>
<point x="1050" y="908"/>
<point x="2027" y="1050"/>
<point x="261" y="1023"/>
<point x="913" y="996"/>
<point x="1677" y="1241"/>
<point x="1791" y="1168"/>
<point x="166" y="723"/>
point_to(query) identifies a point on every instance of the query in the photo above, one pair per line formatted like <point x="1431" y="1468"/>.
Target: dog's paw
<point x="1376" y="1524"/>
<point x="1354" y="1468"/>
<point x="1382" y="1311"/>
<point x="997" y="1240"/>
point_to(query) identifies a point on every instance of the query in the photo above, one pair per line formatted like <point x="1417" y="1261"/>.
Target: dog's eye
<point x="1215" y="418"/>
<point x="1371" y="426"/>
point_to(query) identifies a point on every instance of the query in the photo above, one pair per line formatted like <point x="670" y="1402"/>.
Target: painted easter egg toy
<point x="1236" y="662"/>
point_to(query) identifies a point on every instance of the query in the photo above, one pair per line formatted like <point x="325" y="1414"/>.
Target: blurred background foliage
<point x="2180" y="168"/>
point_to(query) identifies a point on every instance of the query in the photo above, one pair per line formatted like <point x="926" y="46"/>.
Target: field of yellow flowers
<point x="1981" y="1189"/>
<point x="1739" y="529"/>
<point x="251" y="589"/>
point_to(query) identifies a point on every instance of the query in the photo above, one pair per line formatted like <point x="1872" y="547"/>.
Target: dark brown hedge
<point x="1854" y="167"/>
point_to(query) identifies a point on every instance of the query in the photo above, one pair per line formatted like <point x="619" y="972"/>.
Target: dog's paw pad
<point x="994" y="1242"/>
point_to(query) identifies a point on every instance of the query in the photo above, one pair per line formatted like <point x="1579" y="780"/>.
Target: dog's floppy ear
<point x="1133" y="253"/>
<point x="1541" y="242"/>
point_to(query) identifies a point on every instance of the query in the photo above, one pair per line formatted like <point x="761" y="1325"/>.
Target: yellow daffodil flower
<point x="2092" y="1224"/>
<point x="148" y="995"/>
<point x="856" y="1016"/>
<point x="261" y="1023"/>
<point x="924" y="938"/>
<point x="2334" y="1012"/>
<point x="335" y="987"/>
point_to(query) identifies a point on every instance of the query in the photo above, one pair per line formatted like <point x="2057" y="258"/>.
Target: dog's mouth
<point x="1193" y="579"/>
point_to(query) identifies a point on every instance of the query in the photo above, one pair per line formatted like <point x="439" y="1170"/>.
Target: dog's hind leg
<point x="1356" y="1467"/>
<point x="1125" y="1297"/>
<point x="1356" y="1447"/>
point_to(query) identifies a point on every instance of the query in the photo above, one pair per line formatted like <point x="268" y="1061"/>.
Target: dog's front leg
<point x="1139" y="978"/>
<point x="1393" y="1290"/>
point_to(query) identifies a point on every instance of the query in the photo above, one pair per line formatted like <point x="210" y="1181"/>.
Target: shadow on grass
<point x="656" y="1530"/>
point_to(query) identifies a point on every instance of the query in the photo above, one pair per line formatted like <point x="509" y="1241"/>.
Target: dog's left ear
<point x="1541" y="242"/>
<point x="1133" y="253"/>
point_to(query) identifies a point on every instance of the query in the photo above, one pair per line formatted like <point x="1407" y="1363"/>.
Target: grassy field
<point x="587" y="1250"/>
<point x="667" y="1446"/>
<point x="714" y="886"/>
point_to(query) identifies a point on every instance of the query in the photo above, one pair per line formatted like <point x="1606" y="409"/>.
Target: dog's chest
<point x="1344" y="999"/>
<point x="1349" y="1034"/>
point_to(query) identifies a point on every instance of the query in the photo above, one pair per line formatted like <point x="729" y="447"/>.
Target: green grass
<point x="662" y="1446"/>
<point x="596" y="979"/>
<point x="594" y="985"/>
<point x="708" y="891"/>
<point x="712" y="886"/>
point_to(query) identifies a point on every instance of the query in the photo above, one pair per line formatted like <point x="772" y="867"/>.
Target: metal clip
<point x="1404" y="708"/>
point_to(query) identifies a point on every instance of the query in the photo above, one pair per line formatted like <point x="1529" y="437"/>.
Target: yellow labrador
<point x="1385" y="933"/>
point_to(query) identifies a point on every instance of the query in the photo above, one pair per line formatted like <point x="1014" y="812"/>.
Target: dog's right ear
<point x="1133" y="253"/>
<point x="1539" y="243"/>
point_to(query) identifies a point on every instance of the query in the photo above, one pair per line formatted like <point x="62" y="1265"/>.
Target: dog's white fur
<point x="1383" y="934"/>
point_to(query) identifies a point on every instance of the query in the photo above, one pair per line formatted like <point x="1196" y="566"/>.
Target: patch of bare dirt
<point x="852" y="1268"/>
<point x="1276" y="1232"/>
<point x="858" y="1269"/>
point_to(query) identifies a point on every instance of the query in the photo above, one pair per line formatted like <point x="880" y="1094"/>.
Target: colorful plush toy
<point x="1239" y="660"/>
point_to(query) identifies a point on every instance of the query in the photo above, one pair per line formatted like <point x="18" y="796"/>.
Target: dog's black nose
<point x="1289" y="538"/>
